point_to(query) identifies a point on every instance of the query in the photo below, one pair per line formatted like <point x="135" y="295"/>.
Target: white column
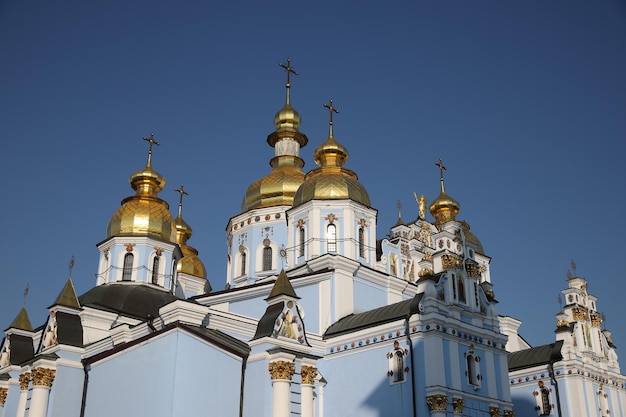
<point x="281" y="372"/>
<point x="308" y="374"/>
<point x="42" y="382"/>
<point x="21" y="402"/>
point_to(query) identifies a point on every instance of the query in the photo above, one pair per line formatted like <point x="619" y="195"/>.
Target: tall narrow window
<point x="361" y="242"/>
<point x="398" y="375"/>
<point x="470" y="370"/>
<point x="243" y="263"/>
<point x="301" y="249"/>
<point x="267" y="258"/>
<point x="546" y="408"/>
<point x="128" y="267"/>
<point x="155" y="269"/>
<point x="331" y="237"/>
<point x="461" y="289"/>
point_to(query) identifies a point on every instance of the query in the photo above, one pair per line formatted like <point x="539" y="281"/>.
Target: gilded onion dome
<point x="444" y="208"/>
<point x="144" y="213"/>
<point x="190" y="263"/>
<point x="331" y="181"/>
<point x="279" y="186"/>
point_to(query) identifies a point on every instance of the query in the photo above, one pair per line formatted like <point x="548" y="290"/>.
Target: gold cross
<point x="441" y="168"/>
<point x="182" y="192"/>
<point x="289" y="71"/>
<point x="151" y="141"/>
<point x="331" y="109"/>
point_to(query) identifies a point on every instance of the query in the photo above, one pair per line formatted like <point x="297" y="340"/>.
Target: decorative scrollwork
<point x="308" y="374"/>
<point x="494" y="411"/>
<point x="3" y="395"/>
<point x="282" y="370"/>
<point x="457" y="405"/>
<point x="437" y="402"/>
<point x="449" y="261"/>
<point x="24" y="381"/>
<point x="43" y="376"/>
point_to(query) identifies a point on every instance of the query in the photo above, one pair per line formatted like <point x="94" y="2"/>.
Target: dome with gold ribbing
<point x="144" y="213"/>
<point x="190" y="263"/>
<point x="331" y="181"/>
<point x="279" y="186"/>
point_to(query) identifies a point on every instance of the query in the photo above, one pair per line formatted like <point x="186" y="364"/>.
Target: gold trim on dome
<point x="281" y="370"/>
<point x="24" y="381"/>
<point x="437" y="402"/>
<point x="457" y="405"/>
<point x="308" y="374"/>
<point x="3" y="395"/>
<point x="494" y="411"/>
<point x="43" y="377"/>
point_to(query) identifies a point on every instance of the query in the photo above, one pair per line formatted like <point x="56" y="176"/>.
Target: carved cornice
<point x="282" y="370"/>
<point x="308" y="374"/>
<point x="3" y="395"/>
<point x="43" y="377"/>
<point x="494" y="411"/>
<point x="437" y="402"/>
<point x="457" y="405"/>
<point x="24" y="381"/>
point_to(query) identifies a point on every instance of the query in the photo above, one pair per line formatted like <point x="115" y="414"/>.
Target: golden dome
<point x="331" y="181"/>
<point x="190" y="263"/>
<point x="471" y="238"/>
<point x="279" y="186"/>
<point x="444" y="208"/>
<point x="144" y="213"/>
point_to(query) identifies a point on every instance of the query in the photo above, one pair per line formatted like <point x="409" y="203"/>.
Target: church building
<point x="320" y="316"/>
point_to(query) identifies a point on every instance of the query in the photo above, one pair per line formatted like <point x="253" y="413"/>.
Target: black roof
<point x="541" y="355"/>
<point x="131" y="299"/>
<point x="375" y="317"/>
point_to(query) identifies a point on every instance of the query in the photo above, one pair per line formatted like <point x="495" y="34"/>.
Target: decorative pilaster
<point x="281" y="372"/>
<point x="437" y="404"/>
<point x="308" y="375"/>
<point x="457" y="405"/>
<point x="42" y="382"/>
<point x="494" y="411"/>
<point x="21" y="402"/>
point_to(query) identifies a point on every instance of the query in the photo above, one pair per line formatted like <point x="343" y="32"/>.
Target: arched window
<point x="398" y="357"/>
<point x="361" y="242"/>
<point x="155" y="269"/>
<point x="470" y="369"/>
<point x="302" y="238"/>
<point x="128" y="267"/>
<point x="461" y="289"/>
<point x="473" y="369"/>
<point x="267" y="258"/>
<point x="331" y="237"/>
<point x="243" y="263"/>
<point x="546" y="408"/>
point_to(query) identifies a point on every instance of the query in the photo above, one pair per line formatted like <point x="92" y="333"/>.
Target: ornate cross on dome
<point x="331" y="109"/>
<point x="151" y="141"/>
<point x="182" y="192"/>
<point x="441" y="169"/>
<point x="71" y="266"/>
<point x="289" y="71"/>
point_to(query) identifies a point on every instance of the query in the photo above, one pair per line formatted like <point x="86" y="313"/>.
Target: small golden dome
<point x="190" y="263"/>
<point x="287" y="118"/>
<point x="471" y="238"/>
<point x="444" y="208"/>
<point x="144" y="213"/>
<point x="331" y="181"/>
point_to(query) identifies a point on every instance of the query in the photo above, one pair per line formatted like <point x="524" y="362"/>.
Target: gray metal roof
<point x="381" y="315"/>
<point x="540" y="355"/>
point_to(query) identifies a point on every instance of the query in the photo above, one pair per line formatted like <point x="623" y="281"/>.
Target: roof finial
<point x="399" y="205"/>
<point x="573" y="265"/>
<point x="25" y="293"/>
<point x="441" y="169"/>
<point x="182" y="192"/>
<point x="71" y="266"/>
<point x="289" y="72"/>
<point x="331" y="109"/>
<point x="152" y="142"/>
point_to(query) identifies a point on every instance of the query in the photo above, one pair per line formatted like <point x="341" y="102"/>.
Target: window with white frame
<point x="127" y="271"/>
<point x="331" y="237"/>
<point x="155" y="269"/>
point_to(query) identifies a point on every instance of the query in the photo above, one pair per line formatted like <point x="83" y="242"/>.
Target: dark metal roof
<point x="541" y="355"/>
<point x="375" y="317"/>
<point x="131" y="299"/>
<point x="266" y="324"/>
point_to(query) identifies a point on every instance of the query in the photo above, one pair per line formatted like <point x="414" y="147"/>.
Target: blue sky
<point x="525" y="102"/>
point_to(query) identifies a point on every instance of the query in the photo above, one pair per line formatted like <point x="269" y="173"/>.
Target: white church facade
<point x="320" y="317"/>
